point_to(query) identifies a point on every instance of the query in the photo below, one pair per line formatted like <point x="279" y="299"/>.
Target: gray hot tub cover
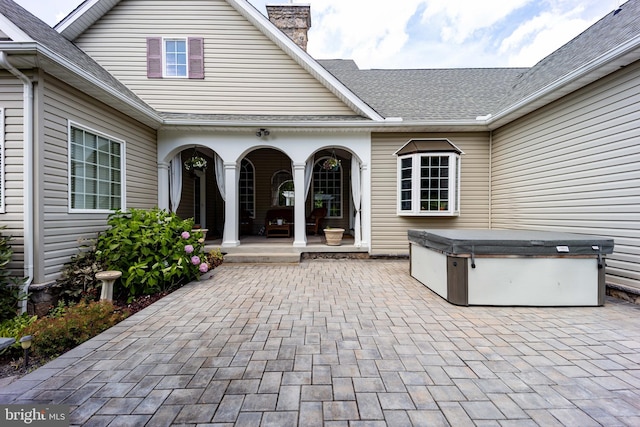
<point x="510" y="242"/>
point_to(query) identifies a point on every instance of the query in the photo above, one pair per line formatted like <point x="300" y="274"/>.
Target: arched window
<point x="282" y="189"/>
<point x="247" y="186"/>
<point x="327" y="186"/>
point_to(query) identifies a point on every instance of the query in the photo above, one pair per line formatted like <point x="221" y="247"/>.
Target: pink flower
<point x="204" y="267"/>
<point x="188" y="249"/>
<point x="195" y="260"/>
<point x="185" y="235"/>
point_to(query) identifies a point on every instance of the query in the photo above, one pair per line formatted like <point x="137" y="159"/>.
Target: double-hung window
<point x="429" y="178"/>
<point x="175" y="57"/>
<point x="96" y="171"/>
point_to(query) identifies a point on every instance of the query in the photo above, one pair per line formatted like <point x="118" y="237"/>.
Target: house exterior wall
<point x="11" y="100"/>
<point x="388" y="229"/>
<point x="245" y="72"/>
<point x="575" y="166"/>
<point x="58" y="230"/>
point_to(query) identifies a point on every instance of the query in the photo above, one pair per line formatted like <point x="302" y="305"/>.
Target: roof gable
<point x="86" y="15"/>
<point x="67" y="62"/>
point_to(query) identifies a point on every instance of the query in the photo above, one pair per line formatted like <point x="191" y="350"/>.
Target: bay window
<point x="429" y="178"/>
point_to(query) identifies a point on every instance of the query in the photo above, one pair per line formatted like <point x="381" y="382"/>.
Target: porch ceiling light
<point x="262" y="132"/>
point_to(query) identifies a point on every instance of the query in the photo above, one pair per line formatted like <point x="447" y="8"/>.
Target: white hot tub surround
<point x="511" y="267"/>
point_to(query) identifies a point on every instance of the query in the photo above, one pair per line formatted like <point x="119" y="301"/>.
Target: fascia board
<point x="85" y="15"/>
<point x="593" y="70"/>
<point x="41" y="51"/>
<point x="13" y="32"/>
<point x="304" y="59"/>
<point x="408" y="126"/>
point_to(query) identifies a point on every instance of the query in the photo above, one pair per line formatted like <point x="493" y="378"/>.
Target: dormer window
<point x="429" y="178"/>
<point x="175" y="57"/>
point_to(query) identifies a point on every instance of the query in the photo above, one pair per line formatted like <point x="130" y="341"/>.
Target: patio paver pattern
<point x="346" y="343"/>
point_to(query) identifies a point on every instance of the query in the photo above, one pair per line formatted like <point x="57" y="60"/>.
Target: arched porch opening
<point x="194" y="190"/>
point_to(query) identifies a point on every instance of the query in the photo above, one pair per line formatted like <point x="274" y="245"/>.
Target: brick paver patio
<point x="346" y="343"/>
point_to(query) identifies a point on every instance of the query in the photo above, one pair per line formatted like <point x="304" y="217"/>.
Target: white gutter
<point x="27" y="179"/>
<point x="615" y="54"/>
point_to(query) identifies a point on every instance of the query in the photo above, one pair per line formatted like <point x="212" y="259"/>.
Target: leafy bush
<point x="14" y="328"/>
<point x="155" y="250"/>
<point x="10" y="287"/>
<point x="214" y="258"/>
<point x="78" y="279"/>
<point x="55" y="335"/>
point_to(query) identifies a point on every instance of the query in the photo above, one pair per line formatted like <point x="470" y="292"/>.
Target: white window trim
<point x="164" y="57"/>
<point x="123" y="171"/>
<point x="454" y="185"/>
<point x="3" y="185"/>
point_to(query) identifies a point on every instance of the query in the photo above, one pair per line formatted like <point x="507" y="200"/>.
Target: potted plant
<point x="333" y="236"/>
<point x="195" y="162"/>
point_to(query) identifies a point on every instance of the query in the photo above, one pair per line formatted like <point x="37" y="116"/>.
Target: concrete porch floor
<point x="261" y="249"/>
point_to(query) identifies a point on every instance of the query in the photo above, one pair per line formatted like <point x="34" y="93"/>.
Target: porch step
<point x="262" y="258"/>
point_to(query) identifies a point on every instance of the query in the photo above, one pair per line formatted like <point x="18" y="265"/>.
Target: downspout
<point x="27" y="151"/>
<point x="490" y="179"/>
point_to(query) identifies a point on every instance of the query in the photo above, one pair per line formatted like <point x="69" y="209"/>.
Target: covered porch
<point x="284" y="171"/>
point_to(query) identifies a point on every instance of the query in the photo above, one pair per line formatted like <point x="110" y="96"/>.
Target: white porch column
<point x="365" y="209"/>
<point x="163" y="185"/>
<point x="299" y="218"/>
<point x="230" y="234"/>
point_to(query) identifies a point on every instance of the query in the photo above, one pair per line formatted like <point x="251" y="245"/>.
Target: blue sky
<point x="426" y="33"/>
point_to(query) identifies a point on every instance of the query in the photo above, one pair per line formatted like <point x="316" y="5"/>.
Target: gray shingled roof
<point x="51" y="39"/>
<point x="420" y="95"/>
<point x="433" y="94"/>
<point x="463" y="94"/>
<point x="605" y="35"/>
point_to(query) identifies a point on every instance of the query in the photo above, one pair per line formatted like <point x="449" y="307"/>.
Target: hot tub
<point x="511" y="267"/>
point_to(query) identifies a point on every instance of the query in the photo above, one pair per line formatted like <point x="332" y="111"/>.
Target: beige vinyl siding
<point x="575" y="166"/>
<point x="388" y="229"/>
<point x="11" y="99"/>
<point x="245" y="72"/>
<point x="58" y="231"/>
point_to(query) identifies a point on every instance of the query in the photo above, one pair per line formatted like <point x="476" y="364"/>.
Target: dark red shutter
<point x="154" y="57"/>
<point x="196" y="57"/>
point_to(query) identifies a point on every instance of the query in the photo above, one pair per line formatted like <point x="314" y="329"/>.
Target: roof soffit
<point x="83" y="16"/>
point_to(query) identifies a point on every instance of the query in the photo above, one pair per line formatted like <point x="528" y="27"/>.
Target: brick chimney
<point x="292" y="19"/>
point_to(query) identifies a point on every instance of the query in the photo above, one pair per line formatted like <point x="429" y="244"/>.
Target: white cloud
<point x="461" y="33"/>
<point x="459" y="20"/>
<point x="357" y="28"/>
<point x="426" y="33"/>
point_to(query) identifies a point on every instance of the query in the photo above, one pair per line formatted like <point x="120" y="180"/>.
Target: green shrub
<point x="78" y="279"/>
<point x="53" y="336"/>
<point x="14" y="328"/>
<point x="10" y="287"/>
<point x="214" y="258"/>
<point x="155" y="250"/>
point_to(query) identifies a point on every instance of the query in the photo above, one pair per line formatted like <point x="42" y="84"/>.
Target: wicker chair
<point x="315" y="219"/>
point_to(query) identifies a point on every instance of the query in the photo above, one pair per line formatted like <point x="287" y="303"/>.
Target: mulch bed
<point x="11" y="366"/>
